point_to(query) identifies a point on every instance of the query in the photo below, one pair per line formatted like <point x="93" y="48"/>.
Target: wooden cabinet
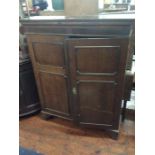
<point x="79" y="68"/>
<point x="28" y="96"/>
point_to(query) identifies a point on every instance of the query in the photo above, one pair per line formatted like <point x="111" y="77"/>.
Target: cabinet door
<point x="49" y="62"/>
<point x="97" y="71"/>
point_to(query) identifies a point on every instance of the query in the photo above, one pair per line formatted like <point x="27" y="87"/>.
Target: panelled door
<point x="97" y="72"/>
<point x="49" y="63"/>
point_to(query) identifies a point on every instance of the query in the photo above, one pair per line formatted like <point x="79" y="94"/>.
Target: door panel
<point x="97" y="67"/>
<point x="97" y="96"/>
<point x="49" y="61"/>
<point x="96" y="99"/>
<point x="54" y="89"/>
<point x="97" y="58"/>
<point x="49" y="54"/>
<point x="93" y="117"/>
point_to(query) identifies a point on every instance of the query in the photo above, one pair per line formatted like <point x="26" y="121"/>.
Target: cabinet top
<point x="100" y="25"/>
<point x="95" y="18"/>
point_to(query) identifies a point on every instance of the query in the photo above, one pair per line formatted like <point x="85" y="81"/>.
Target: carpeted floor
<point x="61" y="137"/>
<point x="24" y="151"/>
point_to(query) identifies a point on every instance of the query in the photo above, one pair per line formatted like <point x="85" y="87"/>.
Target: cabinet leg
<point x="46" y="116"/>
<point x="113" y="134"/>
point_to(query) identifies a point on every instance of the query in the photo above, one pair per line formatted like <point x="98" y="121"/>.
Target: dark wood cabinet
<point x="79" y="68"/>
<point x="28" y="96"/>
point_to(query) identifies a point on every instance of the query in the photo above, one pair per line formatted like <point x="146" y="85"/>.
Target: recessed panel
<point x="49" y="54"/>
<point x="54" y="89"/>
<point x="96" y="101"/>
<point x="97" y="59"/>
